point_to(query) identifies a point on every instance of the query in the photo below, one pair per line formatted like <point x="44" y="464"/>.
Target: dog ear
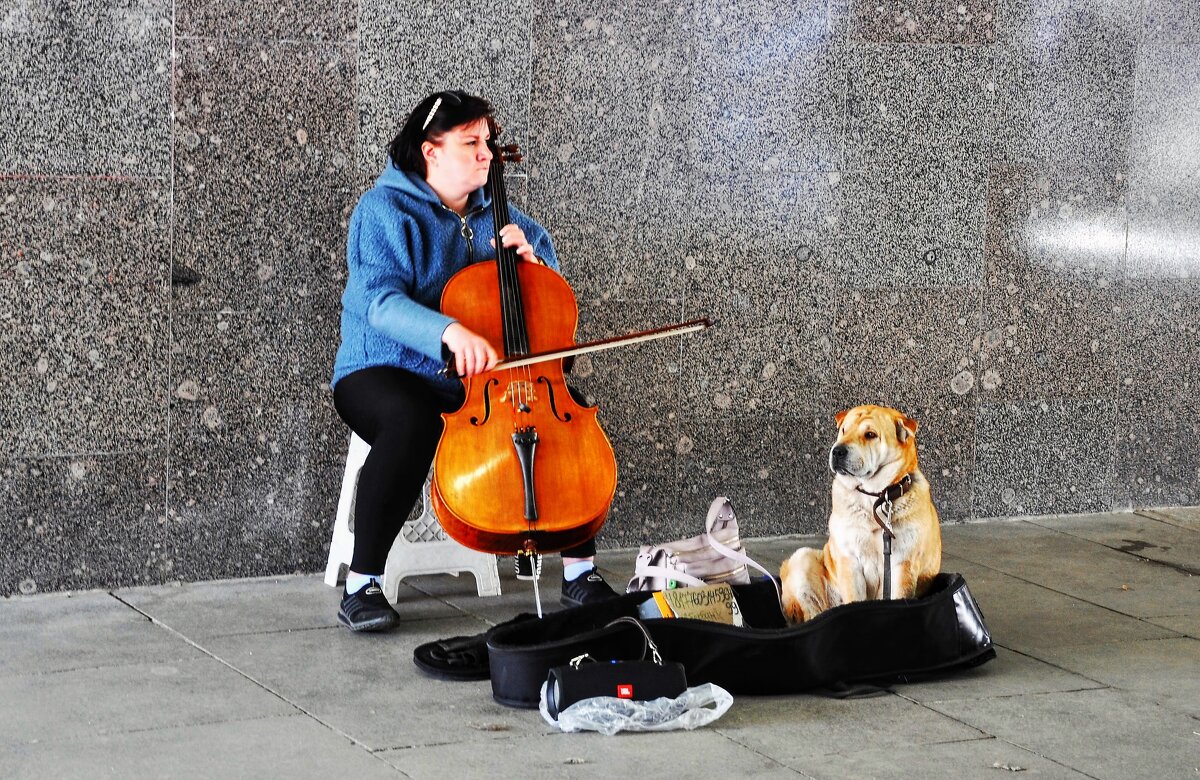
<point x="905" y="427"/>
<point x="841" y="416"/>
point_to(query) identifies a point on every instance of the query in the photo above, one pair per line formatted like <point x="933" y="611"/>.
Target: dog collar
<point x="885" y="498"/>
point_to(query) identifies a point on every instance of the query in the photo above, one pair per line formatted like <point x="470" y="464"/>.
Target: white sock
<point x="356" y="582"/>
<point x="574" y="571"/>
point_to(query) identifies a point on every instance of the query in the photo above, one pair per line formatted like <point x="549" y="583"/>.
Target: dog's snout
<point x="840" y="457"/>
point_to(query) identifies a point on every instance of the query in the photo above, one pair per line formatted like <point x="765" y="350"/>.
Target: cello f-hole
<point x="487" y="402"/>
<point x="566" y="416"/>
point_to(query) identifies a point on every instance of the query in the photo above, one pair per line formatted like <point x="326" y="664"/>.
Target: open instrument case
<point x="868" y="643"/>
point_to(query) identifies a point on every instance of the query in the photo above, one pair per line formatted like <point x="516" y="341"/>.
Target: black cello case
<point x="867" y="643"/>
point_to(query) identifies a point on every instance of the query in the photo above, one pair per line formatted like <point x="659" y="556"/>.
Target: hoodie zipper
<point x="465" y="230"/>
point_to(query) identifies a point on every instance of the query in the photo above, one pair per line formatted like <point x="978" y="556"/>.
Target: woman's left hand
<point x="514" y="238"/>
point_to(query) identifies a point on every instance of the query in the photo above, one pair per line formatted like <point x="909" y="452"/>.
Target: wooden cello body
<point x="521" y="467"/>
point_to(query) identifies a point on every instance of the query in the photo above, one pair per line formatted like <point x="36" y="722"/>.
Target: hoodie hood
<point x="413" y="185"/>
<point x="402" y="247"/>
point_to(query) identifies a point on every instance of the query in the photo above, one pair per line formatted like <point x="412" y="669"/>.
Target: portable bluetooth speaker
<point x="636" y="680"/>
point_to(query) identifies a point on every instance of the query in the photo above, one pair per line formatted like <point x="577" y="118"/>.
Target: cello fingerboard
<point x="516" y="334"/>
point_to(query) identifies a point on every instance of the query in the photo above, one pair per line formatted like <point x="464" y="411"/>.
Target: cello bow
<point x="691" y="326"/>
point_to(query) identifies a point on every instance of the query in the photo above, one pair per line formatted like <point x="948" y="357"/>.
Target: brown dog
<point x="875" y="449"/>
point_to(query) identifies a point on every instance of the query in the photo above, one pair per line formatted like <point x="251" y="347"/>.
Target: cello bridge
<point x="520" y="393"/>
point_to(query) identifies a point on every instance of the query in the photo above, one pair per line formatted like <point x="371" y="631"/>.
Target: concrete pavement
<point x="1096" y="620"/>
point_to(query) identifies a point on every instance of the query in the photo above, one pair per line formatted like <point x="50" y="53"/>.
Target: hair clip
<point x="432" y="111"/>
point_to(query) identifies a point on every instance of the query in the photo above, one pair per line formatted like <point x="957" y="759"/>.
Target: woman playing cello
<point x="426" y="218"/>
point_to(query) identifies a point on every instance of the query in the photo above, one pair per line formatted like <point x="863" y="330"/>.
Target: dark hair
<point x="454" y="108"/>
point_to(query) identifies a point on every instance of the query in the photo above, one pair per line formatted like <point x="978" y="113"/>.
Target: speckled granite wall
<point x="982" y="212"/>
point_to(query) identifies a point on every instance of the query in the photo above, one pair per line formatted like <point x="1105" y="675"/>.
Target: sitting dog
<point x="875" y="456"/>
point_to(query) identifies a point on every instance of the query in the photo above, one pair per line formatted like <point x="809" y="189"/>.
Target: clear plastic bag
<point x="697" y="706"/>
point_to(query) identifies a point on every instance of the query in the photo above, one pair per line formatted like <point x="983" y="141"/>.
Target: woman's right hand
<point x="472" y="352"/>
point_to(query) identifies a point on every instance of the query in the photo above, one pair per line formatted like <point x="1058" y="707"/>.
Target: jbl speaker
<point x="636" y="680"/>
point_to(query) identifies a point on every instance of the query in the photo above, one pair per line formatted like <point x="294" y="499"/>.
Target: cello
<point x="521" y="467"/>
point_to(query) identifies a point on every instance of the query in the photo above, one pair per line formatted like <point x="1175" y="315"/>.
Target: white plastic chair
<point x="422" y="547"/>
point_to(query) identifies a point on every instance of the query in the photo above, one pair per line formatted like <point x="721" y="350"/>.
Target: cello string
<point x="502" y="267"/>
<point x="517" y="337"/>
<point x="505" y="271"/>
<point x="522" y="327"/>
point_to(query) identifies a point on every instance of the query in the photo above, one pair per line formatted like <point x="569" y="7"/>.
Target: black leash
<point x="885" y="498"/>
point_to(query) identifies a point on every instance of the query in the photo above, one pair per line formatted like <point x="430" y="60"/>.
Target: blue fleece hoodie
<point x="403" y="246"/>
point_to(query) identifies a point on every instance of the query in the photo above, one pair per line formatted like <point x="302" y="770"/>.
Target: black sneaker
<point x="585" y="589"/>
<point x="367" y="610"/>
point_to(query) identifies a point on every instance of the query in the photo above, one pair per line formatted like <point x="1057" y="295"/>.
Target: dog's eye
<point x="870" y="435"/>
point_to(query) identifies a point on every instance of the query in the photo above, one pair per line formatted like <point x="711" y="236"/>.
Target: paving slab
<point x="199" y="610"/>
<point x="460" y="597"/>
<point x="793" y="729"/>
<point x="988" y="759"/>
<point x="1182" y="516"/>
<point x="1183" y="624"/>
<point x="283" y="746"/>
<point x="60" y="631"/>
<point x="1133" y="534"/>
<point x="1028" y="617"/>
<point x="1166" y="671"/>
<point x="367" y="687"/>
<point x="774" y="551"/>
<point x="229" y="607"/>
<point x="699" y="753"/>
<point x="1077" y="567"/>
<point x="1010" y="674"/>
<point x="108" y="700"/>
<point x="1102" y="733"/>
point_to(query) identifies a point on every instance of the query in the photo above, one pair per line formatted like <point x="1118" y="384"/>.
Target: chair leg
<point x="420" y="548"/>
<point x="341" y="547"/>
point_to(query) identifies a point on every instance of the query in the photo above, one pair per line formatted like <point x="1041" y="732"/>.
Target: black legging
<point x="399" y="414"/>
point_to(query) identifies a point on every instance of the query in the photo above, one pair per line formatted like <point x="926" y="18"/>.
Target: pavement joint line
<point x="1189" y="571"/>
<point x="1003" y="741"/>
<point x="1099" y="686"/>
<point x="988" y="735"/>
<point x="70" y="670"/>
<point x="1099" y="683"/>
<point x="934" y="710"/>
<point x="1027" y="748"/>
<point x="1059" y="592"/>
<point x="462" y="612"/>
<point x="1045" y="757"/>
<point x="729" y="737"/>
<point x="169" y="726"/>
<point x="239" y="672"/>
<point x="1159" y="701"/>
<point x="232" y="634"/>
<point x="984" y="737"/>
<point x="468" y="613"/>
<point x="510" y="737"/>
<point x="1159" y="639"/>
<point x="1154" y="514"/>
